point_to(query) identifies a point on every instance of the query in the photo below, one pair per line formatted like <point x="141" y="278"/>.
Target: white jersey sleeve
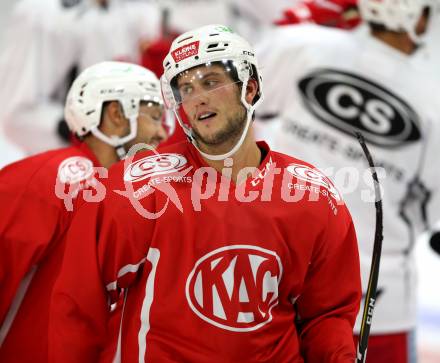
<point x="186" y="15"/>
<point x="38" y="51"/>
<point x="118" y="32"/>
<point x="251" y="18"/>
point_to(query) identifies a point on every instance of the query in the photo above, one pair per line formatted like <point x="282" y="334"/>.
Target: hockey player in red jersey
<point x="110" y="106"/>
<point x="226" y="250"/>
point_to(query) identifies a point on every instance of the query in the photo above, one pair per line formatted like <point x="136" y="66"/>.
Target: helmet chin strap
<point x="116" y="141"/>
<point x="236" y="146"/>
<point x="249" y="111"/>
<point x="122" y="153"/>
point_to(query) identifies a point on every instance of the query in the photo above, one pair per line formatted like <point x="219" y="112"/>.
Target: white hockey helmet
<point x="127" y="83"/>
<point x="208" y="45"/>
<point x="395" y="15"/>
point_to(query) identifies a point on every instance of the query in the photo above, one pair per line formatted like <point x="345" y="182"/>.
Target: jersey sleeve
<point x="148" y="20"/>
<point x="430" y="172"/>
<point x="280" y="55"/>
<point x="30" y="224"/>
<point x="328" y="306"/>
<point x="33" y="73"/>
<point x="106" y="245"/>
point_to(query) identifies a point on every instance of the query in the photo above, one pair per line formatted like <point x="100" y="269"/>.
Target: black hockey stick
<point x="370" y="298"/>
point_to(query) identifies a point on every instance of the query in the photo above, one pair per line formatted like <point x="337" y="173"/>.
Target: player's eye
<point x="186" y="90"/>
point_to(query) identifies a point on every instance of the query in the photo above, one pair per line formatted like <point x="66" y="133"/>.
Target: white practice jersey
<point x="116" y="33"/>
<point x="44" y="41"/>
<point x="8" y="152"/>
<point x="185" y="15"/>
<point x="39" y="48"/>
<point x="320" y="85"/>
<point x="251" y="18"/>
<point x="428" y="58"/>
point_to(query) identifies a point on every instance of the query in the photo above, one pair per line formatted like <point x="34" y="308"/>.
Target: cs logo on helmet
<point x="349" y="102"/>
<point x="235" y="287"/>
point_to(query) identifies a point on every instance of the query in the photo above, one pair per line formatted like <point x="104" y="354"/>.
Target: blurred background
<point x="45" y="43"/>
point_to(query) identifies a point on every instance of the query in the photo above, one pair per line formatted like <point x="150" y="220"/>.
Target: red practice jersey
<point x="266" y="270"/>
<point x="36" y="210"/>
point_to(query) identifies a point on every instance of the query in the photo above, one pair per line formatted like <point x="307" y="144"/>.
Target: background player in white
<point x="323" y="85"/>
<point x="45" y="42"/>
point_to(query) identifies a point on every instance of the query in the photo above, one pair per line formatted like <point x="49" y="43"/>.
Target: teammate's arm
<point x="30" y="223"/>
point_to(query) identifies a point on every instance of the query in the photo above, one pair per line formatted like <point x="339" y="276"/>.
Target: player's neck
<point x="248" y="156"/>
<point x="105" y="153"/>
<point x="400" y="41"/>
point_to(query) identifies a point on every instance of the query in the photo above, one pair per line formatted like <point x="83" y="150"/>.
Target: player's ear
<point x="115" y="114"/>
<point x="251" y="90"/>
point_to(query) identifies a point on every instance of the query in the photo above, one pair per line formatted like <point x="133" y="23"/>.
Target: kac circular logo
<point x="235" y="287"/>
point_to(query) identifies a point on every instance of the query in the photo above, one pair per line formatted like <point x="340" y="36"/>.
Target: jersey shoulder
<point x="284" y="160"/>
<point x="38" y="174"/>
<point x="138" y="169"/>
<point x="148" y="157"/>
<point x="317" y="189"/>
<point x="303" y="36"/>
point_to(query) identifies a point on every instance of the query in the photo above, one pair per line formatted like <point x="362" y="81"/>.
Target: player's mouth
<point x="206" y="116"/>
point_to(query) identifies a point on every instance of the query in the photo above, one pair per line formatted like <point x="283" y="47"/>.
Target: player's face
<point x="211" y="102"/>
<point x="150" y="129"/>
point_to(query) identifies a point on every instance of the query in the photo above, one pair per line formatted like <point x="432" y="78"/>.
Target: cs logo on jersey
<point x="150" y="166"/>
<point x="315" y="177"/>
<point x="75" y="169"/>
<point x="235" y="287"/>
<point x="349" y="102"/>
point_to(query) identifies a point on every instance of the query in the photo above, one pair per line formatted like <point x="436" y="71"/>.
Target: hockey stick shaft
<point x="370" y="298"/>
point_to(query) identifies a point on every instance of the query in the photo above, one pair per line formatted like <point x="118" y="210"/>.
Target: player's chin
<point x="211" y="139"/>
